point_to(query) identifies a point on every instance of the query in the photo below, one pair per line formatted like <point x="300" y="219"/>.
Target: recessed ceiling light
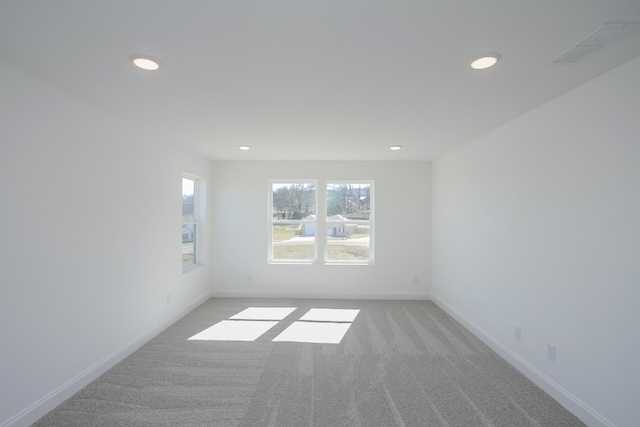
<point x="395" y="147"/>
<point x="145" y="62"/>
<point x="485" y="61"/>
<point x="244" y="147"/>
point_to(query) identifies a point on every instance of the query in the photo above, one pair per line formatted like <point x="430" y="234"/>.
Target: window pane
<point x="348" y="221"/>
<point x="293" y="216"/>
<point x="293" y="201"/>
<point x="350" y="200"/>
<point x="294" y="241"/>
<point x="188" y="244"/>
<point x="352" y="248"/>
<point x="188" y="196"/>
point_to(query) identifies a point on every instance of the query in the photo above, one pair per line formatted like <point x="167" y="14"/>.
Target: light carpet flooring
<point x="401" y="363"/>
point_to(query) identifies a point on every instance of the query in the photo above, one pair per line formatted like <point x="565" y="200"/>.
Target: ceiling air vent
<point x="600" y="38"/>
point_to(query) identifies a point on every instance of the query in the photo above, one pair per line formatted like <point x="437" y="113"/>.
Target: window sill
<point x="348" y="263"/>
<point x="285" y="262"/>
<point x="320" y="263"/>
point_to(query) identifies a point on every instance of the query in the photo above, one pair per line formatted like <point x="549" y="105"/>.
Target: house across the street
<point x="337" y="226"/>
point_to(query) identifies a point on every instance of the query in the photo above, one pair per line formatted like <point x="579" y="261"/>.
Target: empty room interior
<point x="168" y="169"/>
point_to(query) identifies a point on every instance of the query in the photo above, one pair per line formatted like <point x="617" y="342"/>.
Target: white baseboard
<point x="587" y="414"/>
<point x="43" y="406"/>
<point x="233" y="293"/>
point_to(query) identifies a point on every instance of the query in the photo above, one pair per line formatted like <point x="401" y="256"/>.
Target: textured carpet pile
<point x="401" y="363"/>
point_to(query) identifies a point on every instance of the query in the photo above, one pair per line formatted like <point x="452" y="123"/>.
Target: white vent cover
<point x="601" y="37"/>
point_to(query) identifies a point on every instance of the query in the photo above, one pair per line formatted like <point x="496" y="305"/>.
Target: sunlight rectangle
<point x="314" y="333"/>
<point x="330" y="315"/>
<point x="235" y="330"/>
<point x="264" y="313"/>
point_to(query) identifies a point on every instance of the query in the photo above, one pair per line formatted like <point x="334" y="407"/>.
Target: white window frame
<point x="320" y="223"/>
<point x="370" y="222"/>
<point x="199" y="214"/>
<point x="271" y="222"/>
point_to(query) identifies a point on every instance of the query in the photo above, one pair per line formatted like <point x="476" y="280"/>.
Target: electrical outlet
<point x="551" y="352"/>
<point x="415" y="280"/>
<point x="517" y="333"/>
<point x="250" y="278"/>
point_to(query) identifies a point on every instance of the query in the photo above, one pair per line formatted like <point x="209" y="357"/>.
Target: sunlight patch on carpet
<point x="235" y="330"/>
<point x="330" y="315"/>
<point x="264" y="313"/>
<point x="314" y="332"/>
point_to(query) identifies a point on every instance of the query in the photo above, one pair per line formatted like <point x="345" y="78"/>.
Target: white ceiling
<point x="313" y="80"/>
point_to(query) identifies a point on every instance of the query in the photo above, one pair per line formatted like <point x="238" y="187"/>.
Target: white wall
<point x="402" y="232"/>
<point x="537" y="224"/>
<point x="90" y="226"/>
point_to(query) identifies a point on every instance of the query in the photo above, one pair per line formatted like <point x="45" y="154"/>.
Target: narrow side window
<point x="189" y="221"/>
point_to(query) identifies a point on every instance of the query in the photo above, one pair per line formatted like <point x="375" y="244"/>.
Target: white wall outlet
<point x="250" y="278"/>
<point x="517" y="333"/>
<point x="551" y="352"/>
<point x="415" y="280"/>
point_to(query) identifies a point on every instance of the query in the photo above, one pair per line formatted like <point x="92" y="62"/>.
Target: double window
<point x="343" y="210"/>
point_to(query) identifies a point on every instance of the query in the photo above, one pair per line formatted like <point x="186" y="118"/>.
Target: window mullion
<point x="321" y="221"/>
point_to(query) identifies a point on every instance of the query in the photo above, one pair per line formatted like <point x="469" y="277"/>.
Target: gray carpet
<point x="402" y="363"/>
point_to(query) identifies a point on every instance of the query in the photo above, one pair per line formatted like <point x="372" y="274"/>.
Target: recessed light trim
<point x="485" y="61"/>
<point x="145" y="62"/>
<point x="395" y="147"/>
<point x="244" y="147"/>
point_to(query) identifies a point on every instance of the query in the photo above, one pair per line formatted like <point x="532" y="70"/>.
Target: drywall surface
<point x="90" y="224"/>
<point x="537" y="225"/>
<point x="402" y="211"/>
